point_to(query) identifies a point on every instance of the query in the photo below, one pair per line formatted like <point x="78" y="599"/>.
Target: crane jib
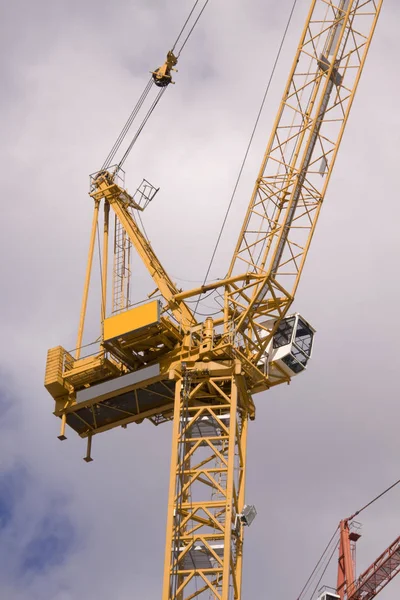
<point x="335" y="79"/>
<point x="296" y="195"/>
<point x="294" y="181"/>
<point x="301" y="178"/>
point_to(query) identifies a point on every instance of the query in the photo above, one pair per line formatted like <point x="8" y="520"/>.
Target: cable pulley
<point x="161" y="77"/>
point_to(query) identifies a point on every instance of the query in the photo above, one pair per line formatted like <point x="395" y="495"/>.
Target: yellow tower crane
<point x="157" y="361"/>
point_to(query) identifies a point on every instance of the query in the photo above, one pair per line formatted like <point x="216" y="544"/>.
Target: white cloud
<point x="318" y="449"/>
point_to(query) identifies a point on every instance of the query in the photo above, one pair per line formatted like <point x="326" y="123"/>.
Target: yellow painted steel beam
<point x="105" y="261"/>
<point x="208" y="463"/>
<point x="215" y="285"/>
<point x="87" y="279"/>
<point x="116" y="196"/>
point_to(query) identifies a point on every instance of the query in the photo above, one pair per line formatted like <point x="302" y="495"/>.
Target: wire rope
<point x="316" y="568"/>
<point x="140" y="129"/>
<point x="185" y="280"/>
<point x="193" y="26"/>
<point x="184" y="25"/>
<point x="249" y="144"/>
<point x="307" y="583"/>
<point x="205" y="298"/>
<point x="161" y="92"/>
<point x="127" y="125"/>
<point x="209" y="314"/>
<point x="117" y="144"/>
<point x="324" y="571"/>
<point x="374" y="500"/>
<point x="216" y="298"/>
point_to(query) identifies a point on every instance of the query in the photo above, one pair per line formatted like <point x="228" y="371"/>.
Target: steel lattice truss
<point x="378" y="575"/>
<point x="204" y="539"/>
<point x="298" y="161"/>
<point x="375" y="578"/>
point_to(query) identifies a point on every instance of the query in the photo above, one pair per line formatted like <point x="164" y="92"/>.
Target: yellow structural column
<point x="87" y="279"/>
<point x="241" y="497"/>
<point x="204" y="538"/>
<point x="105" y="262"/>
<point x="171" y="494"/>
<point x="229" y="509"/>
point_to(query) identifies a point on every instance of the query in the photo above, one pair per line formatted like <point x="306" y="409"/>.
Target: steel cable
<point x="307" y="583"/>
<point x="193" y="26"/>
<point x="249" y="145"/>
<point x="127" y="126"/>
<point x="184" y="25"/>
<point x="117" y="144"/>
<point x="139" y="131"/>
<point x="374" y="500"/>
<point x="324" y="571"/>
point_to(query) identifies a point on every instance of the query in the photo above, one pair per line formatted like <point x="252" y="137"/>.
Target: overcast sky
<point x="71" y="71"/>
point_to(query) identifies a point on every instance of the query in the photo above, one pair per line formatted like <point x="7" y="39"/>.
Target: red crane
<point x="349" y="587"/>
<point x="375" y="578"/>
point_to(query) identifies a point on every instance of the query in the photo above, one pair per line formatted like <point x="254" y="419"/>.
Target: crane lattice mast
<point x="367" y="585"/>
<point x="156" y="361"/>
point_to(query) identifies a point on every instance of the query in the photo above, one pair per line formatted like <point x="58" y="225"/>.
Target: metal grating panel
<point x="199" y="557"/>
<point x="207" y="427"/>
<point x="113" y="410"/>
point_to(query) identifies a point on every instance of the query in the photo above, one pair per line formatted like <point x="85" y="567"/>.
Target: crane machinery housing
<point x="158" y="361"/>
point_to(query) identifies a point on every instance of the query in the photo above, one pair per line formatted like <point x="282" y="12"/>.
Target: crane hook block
<point x="162" y="76"/>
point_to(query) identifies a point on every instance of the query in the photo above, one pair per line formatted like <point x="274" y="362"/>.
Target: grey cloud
<point x="319" y="448"/>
